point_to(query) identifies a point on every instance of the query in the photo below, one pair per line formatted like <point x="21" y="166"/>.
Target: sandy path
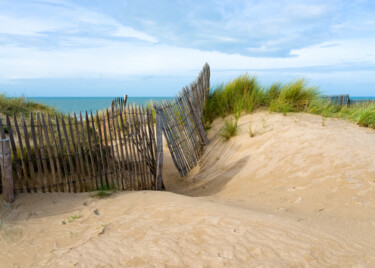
<point x="148" y="228"/>
<point x="296" y="194"/>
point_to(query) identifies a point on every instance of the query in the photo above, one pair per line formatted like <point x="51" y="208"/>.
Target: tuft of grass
<point x="252" y="132"/>
<point x="294" y="97"/>
<point x="73" y="218"/>
<point x="229" y="130"/>
<point x="103" y="192"/>
<point x="367" y="117"/>
<point x="324" y="119"/>
<point x="150" y="105"/>
<point x="241" y="94"/>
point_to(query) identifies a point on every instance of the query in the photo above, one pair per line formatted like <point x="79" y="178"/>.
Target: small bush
<point x="229" y="130"/>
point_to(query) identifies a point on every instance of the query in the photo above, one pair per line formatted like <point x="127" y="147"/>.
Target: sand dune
<point x="296" y="194"/>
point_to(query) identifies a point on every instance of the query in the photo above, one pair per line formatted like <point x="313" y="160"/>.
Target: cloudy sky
<point x="153" y="48"/>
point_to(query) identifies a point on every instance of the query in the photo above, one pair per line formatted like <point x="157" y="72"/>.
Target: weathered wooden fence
<point x="345" y="100"/>
<point x="341" y="100"/>
<point x="115" y="149"/>
<point x="181" y="122"/>
<point x="119" y="103"/>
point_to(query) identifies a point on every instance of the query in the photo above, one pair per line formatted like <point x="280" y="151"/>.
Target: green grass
<point x="21" y="105"/>
<point x="241" y="94"/>
<point x="245" y="94"/>
<point x="294" y="97"/>
<point x="103" y="192"/>
<point x="230" y="129"/>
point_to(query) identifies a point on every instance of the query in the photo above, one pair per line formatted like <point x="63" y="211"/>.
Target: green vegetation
<point x="103" y="192"/>
<point x="21" y="105"/>
<point x="229" y="130"/>
<point x="363" y="115"/>
<point x="246" y="94"/>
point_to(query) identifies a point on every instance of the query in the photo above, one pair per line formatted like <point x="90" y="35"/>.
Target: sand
<point x="296" y="194"/>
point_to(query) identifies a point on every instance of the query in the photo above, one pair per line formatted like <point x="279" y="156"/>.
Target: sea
<point x="81" y="104"/>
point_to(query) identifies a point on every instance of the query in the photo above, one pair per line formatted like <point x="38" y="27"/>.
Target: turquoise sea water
<point x="82" y="104"/>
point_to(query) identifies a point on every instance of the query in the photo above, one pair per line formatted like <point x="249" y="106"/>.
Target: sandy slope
<point x="296" y="194"/>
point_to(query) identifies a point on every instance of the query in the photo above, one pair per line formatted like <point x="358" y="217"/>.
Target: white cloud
<point x="26" y="26"/>
<point x="115" y="59"/>
<point x="68" y="20"/>
<point x="123" y="31"/>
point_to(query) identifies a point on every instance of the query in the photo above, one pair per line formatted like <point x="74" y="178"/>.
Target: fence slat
<point x="73" y="176"/>
<point x="104" y="158"/>
<point x="2" y="131"/>
<point x="6" y="170"/>
<point x="79" y="172"/>
<point x="115" y="180"/>
<point x="90" y="148"/>
<point x="98" y="154"/>
<point x="133" y="159"/>
<point x="83" y="178"/>
<point x="152" y="142"/>
<point x="14" y="150"/>
<point x="49" y="152"/>
<point x="198" y="123"/>
<point x="89" y="180"/>
<point x="145" y="149"/>
<point x="32" y="183"/>
<point x="125" y="136"/>
<point x="119" y="146"/>
<point x="55" y="151"/>
<point x="46" y="181"/>
<point x="61" y="146"/>
<point x="21" y="183"/>
<point x="41" y="171"/>
<point x="134" y="137"/>
<point x="159" y="151"/>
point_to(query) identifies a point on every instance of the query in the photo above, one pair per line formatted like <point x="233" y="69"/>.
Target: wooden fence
<point x="345" y="100"/>
<point x="76" y="153"/>
<point x="119" y="103"/>
<point x="181" y="122"/>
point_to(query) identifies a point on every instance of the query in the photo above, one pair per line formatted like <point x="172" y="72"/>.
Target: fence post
<point x="159" y="151"/>
<point x="6" y="170"/>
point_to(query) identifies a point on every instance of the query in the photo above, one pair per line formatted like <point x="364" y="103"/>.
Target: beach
<point x="300" y="192"/>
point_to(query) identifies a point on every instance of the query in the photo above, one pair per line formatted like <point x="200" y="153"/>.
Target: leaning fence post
<point x="6" y="170"/>
<point x="159" y="150"/>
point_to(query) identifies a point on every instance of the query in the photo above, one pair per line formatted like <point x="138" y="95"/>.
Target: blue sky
<point x="154" y="48"/>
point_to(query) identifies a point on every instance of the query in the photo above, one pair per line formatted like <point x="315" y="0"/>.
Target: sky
<point x="154" y="48"/>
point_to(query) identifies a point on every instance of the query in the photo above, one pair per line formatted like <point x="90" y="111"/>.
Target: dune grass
<point x="363" y="115"/>
<point x="229" y="129"/>
<point x="22" y="106"/>
<point x="245" y="94"/>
